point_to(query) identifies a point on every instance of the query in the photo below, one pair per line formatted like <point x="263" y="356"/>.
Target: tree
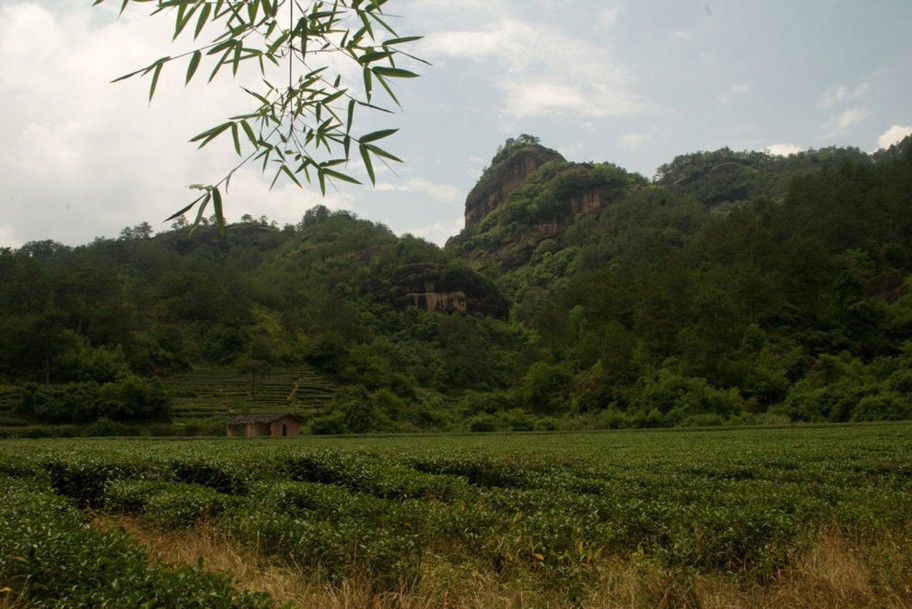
<point x="303" y="124"/>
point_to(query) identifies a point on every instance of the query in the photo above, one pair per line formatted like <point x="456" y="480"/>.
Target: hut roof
<point x="244" y="419"/>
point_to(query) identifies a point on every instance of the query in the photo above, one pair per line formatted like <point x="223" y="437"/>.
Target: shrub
<point x="178" y="506"/>
<point x="331" y="424"/>
<point x="55" y="559"/>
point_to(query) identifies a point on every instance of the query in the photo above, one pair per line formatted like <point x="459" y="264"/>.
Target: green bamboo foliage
<point x="302" y="122"/>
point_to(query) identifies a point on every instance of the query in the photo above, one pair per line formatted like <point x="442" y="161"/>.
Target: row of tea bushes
<point x="51" y="558"/>
<point x="544" y="509"/>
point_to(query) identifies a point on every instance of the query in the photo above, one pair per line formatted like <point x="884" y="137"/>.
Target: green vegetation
<point x="734" y="288"/>
<point x="549" y="514"/>
<point x="302" y="122"/>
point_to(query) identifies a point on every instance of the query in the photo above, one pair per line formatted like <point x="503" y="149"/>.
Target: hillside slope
<point x="734" y="287"/>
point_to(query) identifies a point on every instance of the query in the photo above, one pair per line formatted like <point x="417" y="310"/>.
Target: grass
<point x="833" y="572"/>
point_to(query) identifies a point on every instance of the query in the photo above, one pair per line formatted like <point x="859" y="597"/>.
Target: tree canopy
<point x="652" y="308"/>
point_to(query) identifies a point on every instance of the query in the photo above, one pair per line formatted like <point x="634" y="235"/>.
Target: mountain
<point x="731" y="287"/>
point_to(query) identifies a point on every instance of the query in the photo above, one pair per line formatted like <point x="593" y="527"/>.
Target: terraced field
<point x="216" y="394"/>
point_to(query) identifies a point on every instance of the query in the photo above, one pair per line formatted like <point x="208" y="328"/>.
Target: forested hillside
<point x="732" y="287"/>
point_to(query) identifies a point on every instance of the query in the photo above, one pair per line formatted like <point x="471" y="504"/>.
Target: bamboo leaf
<point x="284" y="169"/>
<point x="373" y="56"/>
<point x="249" y="132"/>
<point x="252" y="8"/>
<point x="217" y="206"/>
<point x="210" y="134"/>
<point x="277" y="43"/>
<point x="376" y="135"/>
<point x="351" y="116"/>
<point x="383" y="153"/>
<point x="367" y="83"/>
<point x="194" y="64"/>
<point x="131" y="74"/>
<point x="183" y="16"/>
<point x="340" y="176"/>
<point x="202" y="208"/>
<point x="203" y="18"/>
<point x="403" y="40"/>
<point x="155" y="75"/>
<point x="393" y="72"/>
<point x="236" y="138"/>
<point x="237" y="58"/>
<point x="184" y="210"/>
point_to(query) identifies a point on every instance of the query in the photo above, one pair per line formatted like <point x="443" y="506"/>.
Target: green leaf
<point x="202" y="208"/>
<point x="210" y="134"/>
<point x="383" y="153"/>
<point x="339" y="176"/>
<point x="236" y="138"/>
<point x="184" y="16"/>
<point x="131" y="74"/>
<point x="278" y="42"/>
<point x="217" y="205"/>
<point x="393" y="72"/>
<point x="184" y="210"/>
<point x="376" y="135"/>
<point x="201" y="21"/>
<point x="252" y="8"/>
<point x="155" y="75"/>
<point x="368" y="165"/>
<point x="373" y="56"/>
<point x="237" y="58"/>
<point x="194" y="64"/>
<point x="403" y="40"/>
<point x="248" y="130"/>
<point x="367" y="83"/>
<point x="351" y="116"/>
<point x="284" y="169"/>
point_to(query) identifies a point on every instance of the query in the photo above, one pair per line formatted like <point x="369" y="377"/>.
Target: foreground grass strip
<point x="832" y="573"/>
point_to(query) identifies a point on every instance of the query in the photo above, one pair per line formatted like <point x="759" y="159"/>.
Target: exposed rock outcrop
<point x="447" y="290"/>
<point x="504" y="177"/>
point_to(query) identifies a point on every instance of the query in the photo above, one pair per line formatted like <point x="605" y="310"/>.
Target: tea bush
<point x="51" y="558"/>
<point x="549" y="509"/>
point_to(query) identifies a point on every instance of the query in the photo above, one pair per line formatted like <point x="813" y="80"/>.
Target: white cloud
<point x="634" y="140"/>
<point x="842" y="123"/>
<point x="439" y="232"/>
<point x="733" y="92"/>
<point x="609" y="17"/>
<point x="441" y="192"/>
<point x="836" y="96"/>
<point x="8" y="237"/>
<point x="544" y="71"/>
<point x="285" y="203"/>
<point x="782" y="149"/>
<point x="893" y="135"/>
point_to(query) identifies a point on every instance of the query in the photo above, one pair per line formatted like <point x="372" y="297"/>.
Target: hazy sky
<point x="632" y="82"/>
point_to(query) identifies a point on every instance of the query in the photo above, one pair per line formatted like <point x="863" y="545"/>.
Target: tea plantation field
<point x="548" y="515"/>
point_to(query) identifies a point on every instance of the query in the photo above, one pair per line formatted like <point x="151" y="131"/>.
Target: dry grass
<point x="832" y="574"/>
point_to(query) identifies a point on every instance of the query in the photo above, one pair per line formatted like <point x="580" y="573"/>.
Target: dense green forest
<point x="733" y="287"/>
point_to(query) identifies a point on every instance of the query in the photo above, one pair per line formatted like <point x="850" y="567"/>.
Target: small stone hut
<point x="259" y="425"/>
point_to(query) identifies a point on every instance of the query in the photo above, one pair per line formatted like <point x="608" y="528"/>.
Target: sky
<point x="630" y="82"/>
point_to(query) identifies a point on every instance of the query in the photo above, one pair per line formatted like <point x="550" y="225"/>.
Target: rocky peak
<point x="509" y="169"/>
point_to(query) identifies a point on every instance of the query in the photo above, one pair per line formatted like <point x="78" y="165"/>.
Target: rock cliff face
<point x="436" y="288"/>
<point x="502" y="178"/>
